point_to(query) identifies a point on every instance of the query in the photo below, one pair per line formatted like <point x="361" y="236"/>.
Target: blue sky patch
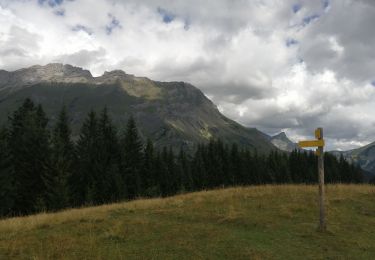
<point x="310" y="18"/>
<point x="167" y="16"/>
<point x="290" y="41"/>
<point x="115" y="23"/>
<point x="51" y="3"/>
<point x="373" y="83"/>
<point x="60" y="12"/>
<point x="296" y="8"/>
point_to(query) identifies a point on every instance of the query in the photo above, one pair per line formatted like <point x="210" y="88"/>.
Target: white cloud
<point x="276" y="65"/>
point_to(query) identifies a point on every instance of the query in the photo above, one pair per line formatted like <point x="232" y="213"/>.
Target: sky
<point x="277" y="65"/>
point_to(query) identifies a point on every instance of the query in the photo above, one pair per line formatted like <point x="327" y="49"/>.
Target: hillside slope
<point x="261" y="222"/>
<point x="170" y="113"/>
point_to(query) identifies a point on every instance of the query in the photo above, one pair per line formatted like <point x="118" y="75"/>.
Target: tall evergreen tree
<point x="166" y="182"/>
<point x="7" y="189"/>
<point x="108" y="181"/>
<point x="132" y="159"/>
<point x="174" y="180"/>
<point x="61" y="165"/>
<point x="184" y="172"/>
<point x="148" y="171"/>
<point x="29" y="148"/>
<point x="235" y="165"/>
<point x="83" y="180"/>
<point x="199" y="172"/>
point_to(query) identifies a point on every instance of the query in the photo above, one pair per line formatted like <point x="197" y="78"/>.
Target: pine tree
<point x="83" y="182"/>
<point x="158" y="173"/>
<point x="132" y="160"/>
<point x="199" y="172"/>
<point x="61" y="164"/>
<point x="165" y="181"/>
<point x="249" y="168"/>
<point x="171" y="171"/>
<point x="235" y="165"/>
<point x="184" y="172"/>
<point x="148" y="171"/>
<point x="28" y="142"/>
<point x="109" y="181"/>
<point x="7" y="189"/>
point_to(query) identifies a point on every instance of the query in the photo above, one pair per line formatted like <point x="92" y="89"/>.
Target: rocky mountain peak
<point x="281" y="136"/>
<point x="58" y="71"/>
<point x="111" y="76"/>
<point x="282" y="142"/>
<point x="115" y="73"/>
<point x="52" y="72"/>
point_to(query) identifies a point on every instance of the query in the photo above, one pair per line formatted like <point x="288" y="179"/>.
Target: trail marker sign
<point x="311" y="143"/>
<point x="319" y="143"/>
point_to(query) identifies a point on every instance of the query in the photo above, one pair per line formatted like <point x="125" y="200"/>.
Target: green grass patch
<point x="263" y="222"/>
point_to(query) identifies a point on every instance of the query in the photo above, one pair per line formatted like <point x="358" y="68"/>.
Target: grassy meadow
<point x="260" y="222"/>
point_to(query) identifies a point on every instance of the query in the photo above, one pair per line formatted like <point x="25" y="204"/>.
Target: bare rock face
<point x="53" y="72"/>
<point x="112" y="76"/>
<point x="59" y="73"/>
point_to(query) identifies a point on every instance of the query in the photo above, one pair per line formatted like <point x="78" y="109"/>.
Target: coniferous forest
<point x="43" y="169"/>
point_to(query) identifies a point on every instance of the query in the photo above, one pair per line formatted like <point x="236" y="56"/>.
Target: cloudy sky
<point x="278" y="65"/>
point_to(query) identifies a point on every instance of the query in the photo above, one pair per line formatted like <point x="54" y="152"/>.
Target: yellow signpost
<point x="319" y="143"/>
<point x="311" y="143"/>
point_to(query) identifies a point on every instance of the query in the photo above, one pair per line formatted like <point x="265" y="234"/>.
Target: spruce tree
<point x="132" y="160"/>
<point x="7" y="189"/>
<point x="158" y="173"/>
<point x="148" y="171"/>
<point x="165" y="181"/>
<point x="199" y="173"/>
<point x="83" y="182"/>
<point x="61" y="164"/>
<point x="29" y="147"/>
<point x="108" y="180"/>
<point x="184" y="172"/>
<point x="235" y="165"/>
<point x="174" y="179"/>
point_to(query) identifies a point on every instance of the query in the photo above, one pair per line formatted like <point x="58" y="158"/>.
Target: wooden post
<point x="320" y="153"/>
<point x="319" y="142"/>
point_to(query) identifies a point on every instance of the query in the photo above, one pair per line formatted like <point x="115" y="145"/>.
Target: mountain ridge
<point x="57" y="72"/>
<point x="364" y="156"/>
<point x="173" y="114"/>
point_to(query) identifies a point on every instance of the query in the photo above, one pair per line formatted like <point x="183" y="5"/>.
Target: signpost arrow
<point x="311" y="143"/>
<point x="319" y="143"/>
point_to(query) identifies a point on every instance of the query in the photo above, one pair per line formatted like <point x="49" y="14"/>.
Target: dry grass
<point x="259" y="222"/>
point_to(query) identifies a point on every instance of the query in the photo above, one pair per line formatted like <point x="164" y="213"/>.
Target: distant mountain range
<point x="173" y="114"/>
<point x="364" y="156"/>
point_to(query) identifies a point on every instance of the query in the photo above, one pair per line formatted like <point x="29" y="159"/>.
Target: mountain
<point x="173" y="114"/>
<point x="364" y="156"/>
<point x="282" y="142"/>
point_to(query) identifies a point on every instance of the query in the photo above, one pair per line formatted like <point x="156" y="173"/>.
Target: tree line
<point x="41" y="168"/>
